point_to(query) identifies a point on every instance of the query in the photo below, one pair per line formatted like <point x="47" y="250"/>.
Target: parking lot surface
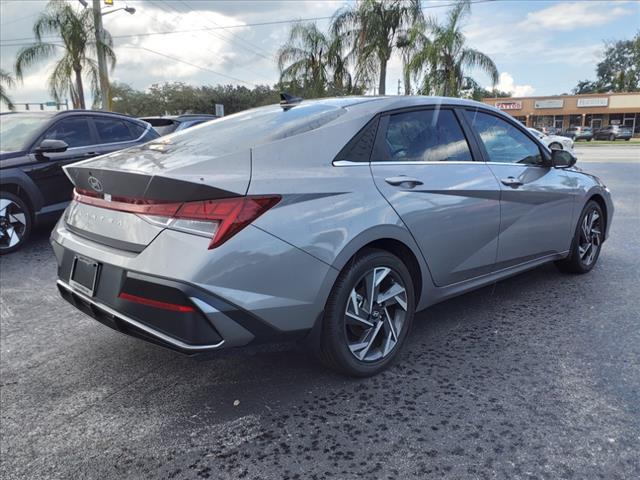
<point x="534" y="377"/>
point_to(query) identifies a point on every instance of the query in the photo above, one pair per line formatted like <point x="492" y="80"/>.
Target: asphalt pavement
<point x="536" y="377"/>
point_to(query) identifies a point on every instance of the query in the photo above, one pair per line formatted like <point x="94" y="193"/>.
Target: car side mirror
<point x="562" y="159"/>
<point x="52" y="146"/>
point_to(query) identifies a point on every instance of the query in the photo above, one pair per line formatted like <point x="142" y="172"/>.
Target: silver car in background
<point x="332" y="221"/>
<point x="553" y="142"/>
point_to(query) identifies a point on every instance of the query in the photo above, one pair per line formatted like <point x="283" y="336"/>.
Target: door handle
<point x="511" y="182"/>
<point x="403" y="180"/>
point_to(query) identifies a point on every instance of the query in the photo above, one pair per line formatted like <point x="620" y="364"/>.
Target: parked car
<point x="331" y="220"/>
<point x="554" y="142"/>
<point x="579" y="133"/>
<point x="551" y="131"/>
<point x="34" y="148"/>
<point x="614" y="132"/>
<point x="175" y="123"/>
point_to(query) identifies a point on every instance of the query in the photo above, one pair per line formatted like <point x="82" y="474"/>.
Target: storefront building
<point x="563" y="111"/>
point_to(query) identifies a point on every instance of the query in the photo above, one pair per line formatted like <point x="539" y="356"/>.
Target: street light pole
<point x="105" y="95"/>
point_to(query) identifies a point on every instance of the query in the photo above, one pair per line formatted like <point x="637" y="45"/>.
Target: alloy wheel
<point x="13" y="223"/>
<point x="375" y="314"/>
<point x="590" y="237"/>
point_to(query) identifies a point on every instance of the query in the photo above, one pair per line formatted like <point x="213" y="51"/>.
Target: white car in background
<point x="554" y="142"/>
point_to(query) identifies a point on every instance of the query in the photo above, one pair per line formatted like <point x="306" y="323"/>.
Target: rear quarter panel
<point x="327" y="211"/>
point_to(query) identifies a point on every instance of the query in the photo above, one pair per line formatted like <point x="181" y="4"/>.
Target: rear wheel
<point x="368" y="314"/>
<point x="15" y="222"/>
<point x="612" y="137"/>
<point x="587" y="241"/>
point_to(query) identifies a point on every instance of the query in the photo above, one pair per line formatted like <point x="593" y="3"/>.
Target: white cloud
<point x="570" y="16"/>
<point x="506" y="83"/>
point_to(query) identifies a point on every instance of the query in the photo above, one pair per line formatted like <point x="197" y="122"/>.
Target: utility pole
<point x="105" y="95"/>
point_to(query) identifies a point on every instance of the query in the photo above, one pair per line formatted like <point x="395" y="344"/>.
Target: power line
<point x="256" y="49"/>
<point x="200" y="67"/>
<point x="244" y="25"/>
<point x="196" y="38"/>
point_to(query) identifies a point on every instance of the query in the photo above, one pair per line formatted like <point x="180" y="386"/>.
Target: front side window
<point x="503" y="142"/>
<point x="425" y="136"/>
<point x="112" y="130"/>
<point x="73" y="131"/>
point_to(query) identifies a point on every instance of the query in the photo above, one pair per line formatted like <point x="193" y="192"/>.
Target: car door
<point x="536" y="200"/>
<point x="424" y="166"/>
<point x="47" y="171"/>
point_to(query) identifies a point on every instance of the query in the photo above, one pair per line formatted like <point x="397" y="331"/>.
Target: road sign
<point x="51" y="104"/>
<point x="219" y="110"/>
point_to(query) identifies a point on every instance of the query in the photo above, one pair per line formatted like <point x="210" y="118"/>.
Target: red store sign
<point x="509" y="105"/>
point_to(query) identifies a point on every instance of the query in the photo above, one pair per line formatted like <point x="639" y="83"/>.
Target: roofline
<point x="580" y="95"/>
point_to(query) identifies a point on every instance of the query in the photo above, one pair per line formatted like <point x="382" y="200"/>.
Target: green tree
<point x="618" y="71"/>
<point x="6" y="81"/>
<point x="312" y="63"/>
<point x="444" y="61"/>
<point x="585" y="86"/>
<point x="76" y="31"/>
<point x="177" y="98"/>
<point x="370" y="29"/>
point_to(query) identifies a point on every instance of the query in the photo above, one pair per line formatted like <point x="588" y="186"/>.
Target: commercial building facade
<point x="563" y="111"/>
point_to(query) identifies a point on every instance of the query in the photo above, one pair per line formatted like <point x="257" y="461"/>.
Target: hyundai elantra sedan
<point x="331" y="221"/>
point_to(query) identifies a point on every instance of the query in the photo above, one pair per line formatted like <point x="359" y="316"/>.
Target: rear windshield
<point x="259" y="125"/>
<point x="224" y="136"/>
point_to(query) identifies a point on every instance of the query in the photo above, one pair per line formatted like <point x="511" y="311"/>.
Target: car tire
<point x="586" y="245"/>
<point x="555" y="146"/>
<point x="589" y="139"/>
<point x="360" y="338"/>
<point x="16" y="221"/>
<point x="627" y="139"/>
<point x="612" y="138"/>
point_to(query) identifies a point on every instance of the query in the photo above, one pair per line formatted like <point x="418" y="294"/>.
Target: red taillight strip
<point x="232" y="214"/>
<point x="122" y="204"/>
<point x="156" y="303"/>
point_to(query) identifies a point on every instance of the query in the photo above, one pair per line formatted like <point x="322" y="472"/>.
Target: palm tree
<point x="444" y="59"/>
<point x="314" y="60"/>
<point x="371" y="28"/>
<point x="303" y="59"/>
<point x="6" y="81"/>
<point x="410" y="43"/>
<point x="76" y="30"/>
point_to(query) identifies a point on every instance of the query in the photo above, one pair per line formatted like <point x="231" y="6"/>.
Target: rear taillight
<point x="217" y="219"/>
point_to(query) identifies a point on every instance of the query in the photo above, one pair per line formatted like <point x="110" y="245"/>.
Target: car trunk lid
<point x="152" y="175"/>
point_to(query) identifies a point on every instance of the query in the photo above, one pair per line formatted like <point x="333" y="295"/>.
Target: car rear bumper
<point x="209" y="324"/>
<point x="253" y="289"/>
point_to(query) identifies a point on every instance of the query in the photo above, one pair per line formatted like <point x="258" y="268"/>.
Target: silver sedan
<point x="329" y="221"/>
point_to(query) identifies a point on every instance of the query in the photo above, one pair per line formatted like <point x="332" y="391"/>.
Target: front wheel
<point x="612" y="138"/>
<point x="555" y="146"/>
<point x="587" y="241"/>
<point x="15" y="222"/>
<point x="368" y="315"/>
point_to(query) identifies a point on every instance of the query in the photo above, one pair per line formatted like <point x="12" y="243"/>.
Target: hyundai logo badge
<point x="95" y="184"/>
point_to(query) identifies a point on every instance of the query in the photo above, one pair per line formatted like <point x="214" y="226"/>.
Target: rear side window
<point x="112" y="130"/>
<point x="74" y="132"/>
<point x="503" y="142"/>
<point x="136" y="129"/>
<point x="425" y="136"/>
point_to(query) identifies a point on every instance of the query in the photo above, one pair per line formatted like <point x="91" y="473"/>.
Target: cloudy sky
<point x="540" y="47"/>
